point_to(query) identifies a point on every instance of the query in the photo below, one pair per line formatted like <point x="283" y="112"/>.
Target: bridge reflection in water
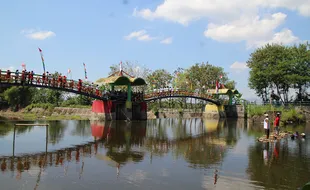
<point x="126" y="142"/>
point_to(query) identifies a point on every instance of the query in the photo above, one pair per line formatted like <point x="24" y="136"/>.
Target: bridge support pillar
<point x="213" y="111"/>
<point x="234" y="111"/>
<point x="103" y="110"/>
<point x="108" y="110"/>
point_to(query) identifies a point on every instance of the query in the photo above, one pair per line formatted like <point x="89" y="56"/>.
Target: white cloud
<point x="166" y="41"/>
<point x="37" y="34"/>
<point x="255" y="32"/>
<point x="286" y="36"/>
<point x="141" y="35"/>
<point x="145" y="37"/>
<point x="135" y="34"/>
<point x="185" y="11"/>
<point x="232" y="21"/>
<point x="239" y="66"/>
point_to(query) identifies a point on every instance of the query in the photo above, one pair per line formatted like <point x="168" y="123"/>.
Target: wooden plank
<point x="30" y="124"/>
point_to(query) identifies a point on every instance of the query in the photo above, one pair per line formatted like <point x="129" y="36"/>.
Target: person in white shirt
<point x="266" y="126"/>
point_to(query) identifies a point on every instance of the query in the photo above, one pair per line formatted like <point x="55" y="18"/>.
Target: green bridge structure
<point x="125" y="98"/>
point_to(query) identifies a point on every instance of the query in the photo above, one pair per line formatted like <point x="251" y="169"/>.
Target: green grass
<point x="287" y="114"/>
<point x="258" y="110"/>
<point x="47" y="106"/>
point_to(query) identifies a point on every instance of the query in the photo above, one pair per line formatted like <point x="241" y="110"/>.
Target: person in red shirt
<point x="277" y="124"/>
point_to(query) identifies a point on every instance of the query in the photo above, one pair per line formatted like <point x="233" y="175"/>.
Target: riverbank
<point x="56" y="113"/>
<point x="255" y="114"/>
<point x="289" y="115"/>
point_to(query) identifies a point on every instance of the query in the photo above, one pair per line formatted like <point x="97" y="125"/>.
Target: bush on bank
<point x="287" y="113"/>
<point x="46" y="106"/>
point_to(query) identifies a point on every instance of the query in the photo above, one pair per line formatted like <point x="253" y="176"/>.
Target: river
<point x="154" y="154"/>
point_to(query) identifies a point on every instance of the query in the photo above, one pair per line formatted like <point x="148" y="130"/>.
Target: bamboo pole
<point x="31" y="124"/>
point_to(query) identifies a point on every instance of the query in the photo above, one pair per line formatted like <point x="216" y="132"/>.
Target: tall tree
<point x="159" y="79"/>
<point x="275" y="69"/>
<point x="131" y="68"/>
<point x="300" y="74"/>
<point x="18" y="97"/>
<point x="203" y="75"/>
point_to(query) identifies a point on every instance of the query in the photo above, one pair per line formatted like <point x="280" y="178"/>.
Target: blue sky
<point x="155" y="33"/>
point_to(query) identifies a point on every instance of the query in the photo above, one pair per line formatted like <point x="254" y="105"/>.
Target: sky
<point x="158" y="34"/>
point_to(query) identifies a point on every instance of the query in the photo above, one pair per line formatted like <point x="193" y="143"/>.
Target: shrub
<point x="46" y="106"/>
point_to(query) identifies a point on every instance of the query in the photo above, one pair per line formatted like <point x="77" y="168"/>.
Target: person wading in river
<point x="277" y="123"/>
<point x="266" y="126"/>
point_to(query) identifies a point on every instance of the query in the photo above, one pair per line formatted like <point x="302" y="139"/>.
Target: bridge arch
<point x="182" y="96"/>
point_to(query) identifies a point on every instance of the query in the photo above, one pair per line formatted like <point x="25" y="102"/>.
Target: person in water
<point x="277" y="124"/>
<point x="266" y="126"/>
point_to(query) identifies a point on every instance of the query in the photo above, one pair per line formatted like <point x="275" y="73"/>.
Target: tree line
<point x="280" y="73"/>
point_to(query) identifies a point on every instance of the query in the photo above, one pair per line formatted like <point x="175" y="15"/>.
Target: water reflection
<point x="210" y="154"/>
<point x="200" y="143"/>
<point x="283" y="164"/>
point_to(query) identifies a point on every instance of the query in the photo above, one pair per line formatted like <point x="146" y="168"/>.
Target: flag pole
<point x="85" y="72"/>
<point x="42" y="59"/>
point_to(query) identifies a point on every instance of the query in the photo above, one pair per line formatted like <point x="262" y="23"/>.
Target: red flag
<point x="217" y="86"/>
<point x="42" y="59"/>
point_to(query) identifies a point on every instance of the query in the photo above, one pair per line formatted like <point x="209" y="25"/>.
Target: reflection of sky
<point x="33" y="141"/>
<point x="188" y="127"/>
<point x="167" y="171"/>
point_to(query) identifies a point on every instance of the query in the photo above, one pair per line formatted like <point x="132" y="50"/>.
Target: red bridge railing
<point x="62" y="83"/>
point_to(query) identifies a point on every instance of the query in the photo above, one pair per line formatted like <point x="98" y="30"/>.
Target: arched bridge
<point x="179" y="94"/>
<point x="58" y="82"/>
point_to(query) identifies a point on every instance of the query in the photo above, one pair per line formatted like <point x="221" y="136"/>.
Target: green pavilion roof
<point x="121" y="80"/>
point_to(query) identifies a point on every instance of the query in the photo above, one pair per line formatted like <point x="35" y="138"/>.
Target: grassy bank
<point x="42" y="112"/>
<point x="33" y="116"/>
<point x="288" y="114"/>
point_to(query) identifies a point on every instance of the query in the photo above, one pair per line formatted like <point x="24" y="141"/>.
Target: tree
<point x="203" y="76"/>
<point x="159" y="79"/>
<point x="51" y="96"/>
<point x="275" y="69"/>
<point x="18" y="97"/>
<point x="132" y="69"/>
<point x="300" y="78"/>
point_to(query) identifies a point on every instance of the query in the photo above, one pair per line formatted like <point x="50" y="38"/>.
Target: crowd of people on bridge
<point x="61" y="81"/>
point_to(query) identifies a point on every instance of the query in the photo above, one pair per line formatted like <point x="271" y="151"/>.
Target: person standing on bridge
<point x="8" y="75"/>
<point x="16" y="75"/>
<point x="23" y="77"/>
<point x="266" y="126"/>
<point x="79" y="85"/>
<point x="64" y="82"/>
<point x="59" y="82"/>
<point x="49" y="79"/>
<point x="46" y="78"/>
<point x="43" y="78"/>
<point x="31" y="77"/>
<point x="26" y="75"/>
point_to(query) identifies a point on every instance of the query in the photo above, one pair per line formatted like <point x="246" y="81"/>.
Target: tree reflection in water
<point x="279" y="165"/>
<point x="201" y="143"/>
<point x="56" y="131"/>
